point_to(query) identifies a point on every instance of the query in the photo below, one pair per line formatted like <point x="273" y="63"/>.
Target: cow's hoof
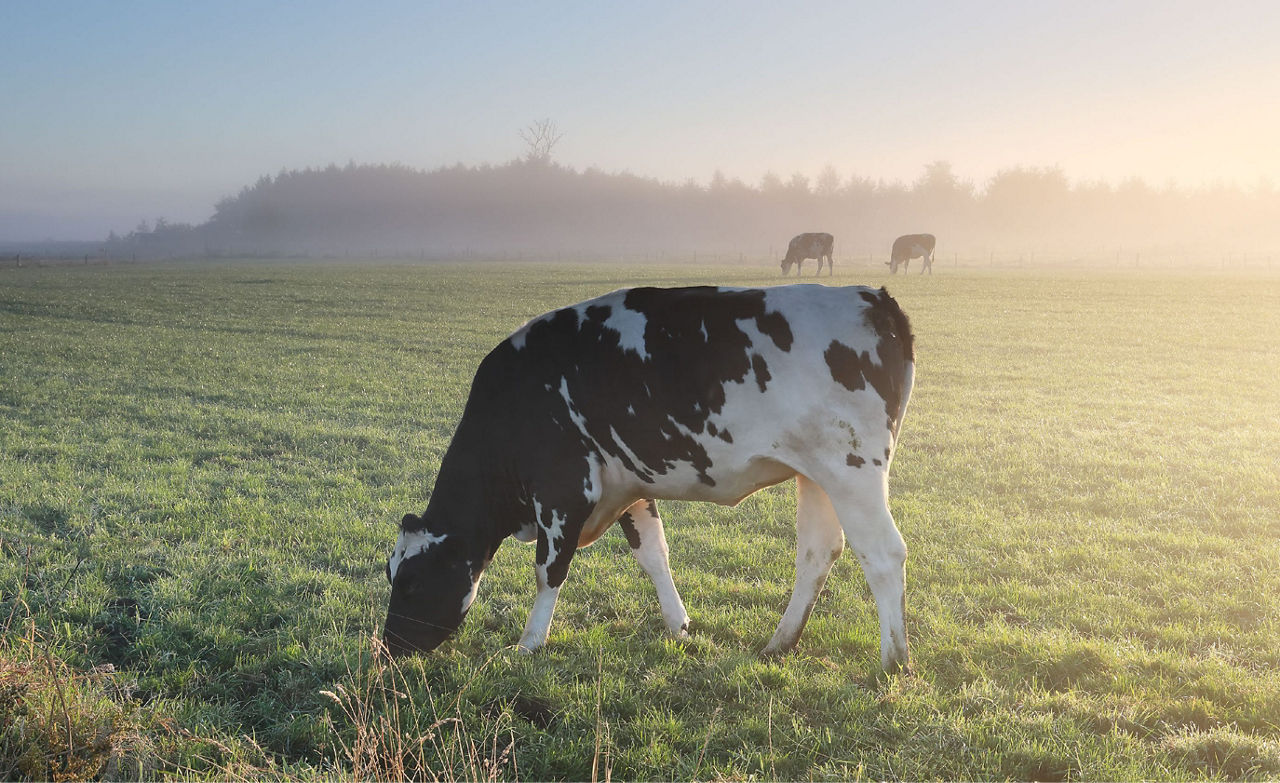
<point x="897" y="669"/>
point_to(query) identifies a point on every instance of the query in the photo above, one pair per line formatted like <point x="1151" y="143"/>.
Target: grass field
<point x="202" y="466"/>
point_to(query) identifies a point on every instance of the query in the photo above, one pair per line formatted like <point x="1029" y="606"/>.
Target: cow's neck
<point x="473" y="498"/>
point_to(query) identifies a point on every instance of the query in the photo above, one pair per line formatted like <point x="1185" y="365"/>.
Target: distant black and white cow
<point x="804" y="246"/>
<point x="912" y="246"/>
<point x="587" y="414"/>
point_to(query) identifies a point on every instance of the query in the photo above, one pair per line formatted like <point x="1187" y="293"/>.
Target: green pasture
<point x="202" y="465"/>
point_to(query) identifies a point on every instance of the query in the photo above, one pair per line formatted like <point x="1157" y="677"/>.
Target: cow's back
<point x="692" y="392"/>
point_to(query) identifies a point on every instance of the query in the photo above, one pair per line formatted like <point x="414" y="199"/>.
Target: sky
<point x="113" y="112"/>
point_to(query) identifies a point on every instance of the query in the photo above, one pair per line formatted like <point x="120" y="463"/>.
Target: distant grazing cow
<point x="912" y="246"/>
<point x="585" y="415"/>
<point x="804" y="246"/>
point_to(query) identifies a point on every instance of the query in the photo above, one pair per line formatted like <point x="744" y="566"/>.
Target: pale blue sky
<point x="118" y="111"/>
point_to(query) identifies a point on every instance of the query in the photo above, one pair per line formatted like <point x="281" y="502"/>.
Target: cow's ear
<point x="409" y="521"/>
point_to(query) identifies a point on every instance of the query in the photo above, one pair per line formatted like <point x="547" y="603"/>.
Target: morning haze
<point x="239" y="129"/>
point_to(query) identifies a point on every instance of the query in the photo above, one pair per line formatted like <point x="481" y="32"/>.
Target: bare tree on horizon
<point x="540" y="138"/>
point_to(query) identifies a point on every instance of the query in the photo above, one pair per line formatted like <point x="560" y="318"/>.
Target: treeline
<point x="536" y="208"/>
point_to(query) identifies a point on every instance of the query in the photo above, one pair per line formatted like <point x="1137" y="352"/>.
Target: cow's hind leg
<point x="861" y="502"/>
<point x="819" y="541"/>
<point x="643" y="529"/>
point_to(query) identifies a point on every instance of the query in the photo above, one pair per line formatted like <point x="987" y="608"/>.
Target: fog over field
<point x="535" y="209"/>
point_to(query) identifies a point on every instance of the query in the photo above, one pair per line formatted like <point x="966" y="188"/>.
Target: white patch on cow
<point x="475" y="585"/>
<point x="575" y="415"/>
<point x="590" y="488"/>
<point x="629" y="454"/>
<point x="412" y="543"/>
<point x="705" y="337"/>
<point x="554" y="531"/>
<point x="630" y="326"/>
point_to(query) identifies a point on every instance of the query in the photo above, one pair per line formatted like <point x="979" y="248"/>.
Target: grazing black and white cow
<point x="912" y="246"/>
<point x="804" y="246"/>
<point x="586" y="415"/>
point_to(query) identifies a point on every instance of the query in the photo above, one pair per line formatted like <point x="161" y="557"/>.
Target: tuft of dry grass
<point x="57" y="723"/>
<point x="382" y="733"/>
<point x="61" y="723"/>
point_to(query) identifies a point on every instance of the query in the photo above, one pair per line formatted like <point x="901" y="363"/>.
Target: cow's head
<point x="893" y="266"/>
<point x="432" y="587"/>
<point x="786" y="265"/>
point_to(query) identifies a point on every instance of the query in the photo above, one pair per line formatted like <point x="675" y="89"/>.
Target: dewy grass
<point x="201" y="466"/>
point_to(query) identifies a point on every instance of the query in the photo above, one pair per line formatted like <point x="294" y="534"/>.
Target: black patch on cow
<point x="887" y="453"/>
<point x="774" y="326"/>
<point x="725" y="436"/>
<point x="761" y="370"/>
<point x="877" y="462"/>
<point x="628" y="526"/>
<point x="887" y="319"/>
<point x="854" y="460"/>
<point x="846" y="369"/>
<point x="894" y="348"/>
<point x="712" y="430"/>
<point x="672" y="392"/>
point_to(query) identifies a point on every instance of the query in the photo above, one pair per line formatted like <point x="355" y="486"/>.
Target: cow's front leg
<point x="551" y="567"/>
<point x="643" y="529"/>
<point x="539" y="622"/>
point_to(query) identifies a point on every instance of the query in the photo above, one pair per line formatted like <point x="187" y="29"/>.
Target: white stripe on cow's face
<point x="409" y="544"/>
